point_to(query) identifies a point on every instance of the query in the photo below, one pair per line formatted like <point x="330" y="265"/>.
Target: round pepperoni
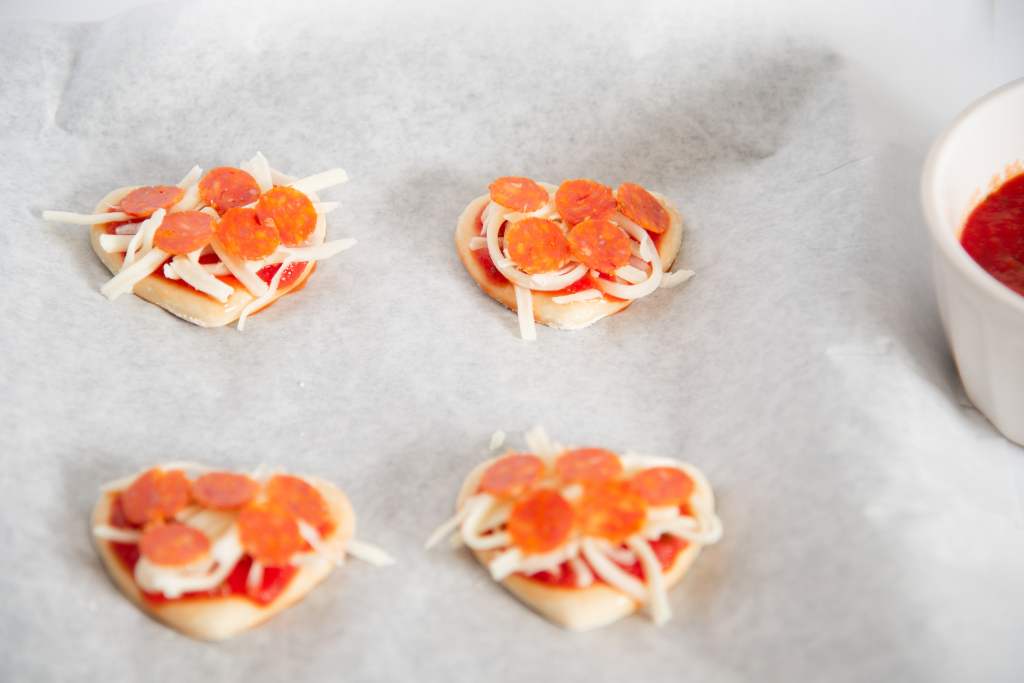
<point x="155" y="495"/>
<point x="600" y="244"/>
<point x="241" y="233"/>
<point x="587" y="465"/>
<point x="224" y="490"/>
<point x="641" y="207"/>
<point x="225" y="188"/>
<point x="518" y="194"/>
<point x="270" y="534"/>
<point x="290" y="211"/>
<point x="537" y="245"/>
<point x="300" y="498"/>
<point x="183" y="232"/>
<point x="540" y="522"/>
<point x="143" y="201"/>
<point x="580" y="199"/>
<point x="661" y="486"/>
<point x="611" y="510"/>
<point x="511" y="475"/>
<point x="173" y="545"/>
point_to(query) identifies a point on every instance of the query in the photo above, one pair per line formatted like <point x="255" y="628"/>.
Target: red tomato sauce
<point x="994" y="234"/>
<point x="275" y="579"/>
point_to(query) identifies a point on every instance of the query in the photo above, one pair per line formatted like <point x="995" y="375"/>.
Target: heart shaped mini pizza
<point x="217" y="553"/>
<point x="582" y="535"/>
<point x="217" y="247"/>
<point x="569" y="256"/>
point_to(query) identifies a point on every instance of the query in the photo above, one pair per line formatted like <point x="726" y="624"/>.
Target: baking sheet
<point x="873" y="519"/>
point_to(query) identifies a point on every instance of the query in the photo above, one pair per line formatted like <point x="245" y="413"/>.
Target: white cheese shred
<point x="115" y="244"/>
<point x="324" y="208"/>
<point x="239" y="269"/>
<point x="611" y="573"/>
<point x="448" y="527"/>
<point x="369" y="553"/>
<point x="260" y="171"/>
<point x="659" y="607"/>
<point x="581" y="572"/>
<point x="255" y="578"/>
<point x="505" y="564"/>
<point x="320" y="181"/>
<point x="110" y="533"/>
<point x="582" y="295"/>
<point x="497" y="440"/>
<point x="261" y="301"/>
<point x="127" y="278"/>
<point x="84" y="218"/>
<point x="524" y="309"/>
<point x="190" y="270"/>
<point x="676" y="278"/>
<point x="319" y="251"/>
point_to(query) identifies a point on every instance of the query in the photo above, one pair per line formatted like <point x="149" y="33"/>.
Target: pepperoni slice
<point x="143" y="201"/>
<point x="155" y="495"/>
<point x="661" y="486"/>
<point x="183" y="232"/>
<point x="518" y="194"/>
<point x="241" y="233"/>
<point x="270" y="534"/>
<point x="225" y="188"/>
<point x="600" y="244"/>
<point x="290" y="211"/>
<point x="611" y="510"/>
<point x="641" y="207"/>
<point x="300" y="498"/>
<point x="512" y="475"/>
<point x="224" y="490"/>
<point x="173" y="545"/>
<point x="540" y="522"/>
<point x="580" y="199"/>
<point x="537" y="245"/>
<point x="587" y="465"/>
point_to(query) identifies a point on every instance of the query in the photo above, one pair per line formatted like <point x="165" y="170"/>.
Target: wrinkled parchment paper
<point x="873" y="518"/>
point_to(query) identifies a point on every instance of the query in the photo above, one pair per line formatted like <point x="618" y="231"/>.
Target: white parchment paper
<point x="873" y="518"/>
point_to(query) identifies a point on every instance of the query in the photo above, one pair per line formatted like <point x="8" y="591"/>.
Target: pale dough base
<point x="175" y="296"/>
<point x="583" y="609"/>
<point x="222" y="618"/>
<point x="571" y="316"/>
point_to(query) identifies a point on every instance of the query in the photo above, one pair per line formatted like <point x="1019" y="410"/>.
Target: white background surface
<point x="874" y="525"/>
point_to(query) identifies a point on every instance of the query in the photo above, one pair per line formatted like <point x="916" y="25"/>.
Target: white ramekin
<point x="983" y="319"/>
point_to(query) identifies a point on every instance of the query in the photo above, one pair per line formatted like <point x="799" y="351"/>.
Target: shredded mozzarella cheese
<point x="324" y="208"/>
<point x="582" y="295"/>
<point x="259" y="302"/>
<point x="369" y="553"/>
<point x="660" y="610"/>
<point x="84" y="218"/>
<point x="676" y="278"/>
<point x="115" y="244"/>
<point x="320" y="181"/>
<point x="238" y="268"/>
<point x="110" y="533"/>
<point x="524" y="310"/>
<point x="611" y="573"/>
<point x="260" y="171"/>
<point x="127" y="278"/>
<point x="497" y="439"/>
<point x="192" y="272"/>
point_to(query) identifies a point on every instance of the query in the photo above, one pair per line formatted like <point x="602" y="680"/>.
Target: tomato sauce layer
<point x="994" y="234"/>
<point x="275" y="579"/>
